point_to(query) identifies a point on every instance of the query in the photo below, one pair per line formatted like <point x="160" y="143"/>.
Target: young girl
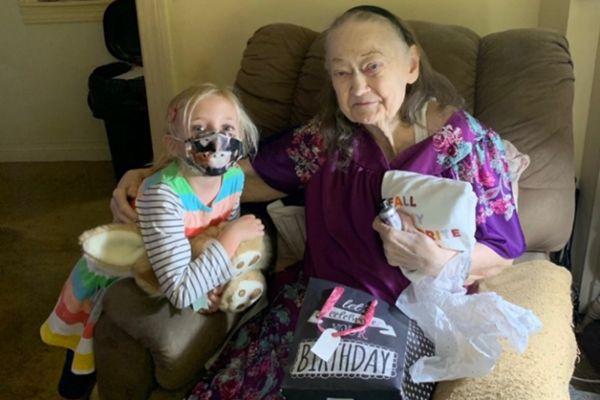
<point x="200" y="186"/>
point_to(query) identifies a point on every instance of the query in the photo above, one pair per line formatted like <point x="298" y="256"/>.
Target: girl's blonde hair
<point x="179" y="113"/>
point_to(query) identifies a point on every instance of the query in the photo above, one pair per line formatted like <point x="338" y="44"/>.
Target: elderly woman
<point x="388" y="110"/>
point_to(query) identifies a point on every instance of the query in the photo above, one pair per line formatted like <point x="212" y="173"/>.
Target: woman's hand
<point x="411" y="249"/>
<point x="214" y="299"/>
<point x="127" y="189"/>
<point x="247" y="227"/>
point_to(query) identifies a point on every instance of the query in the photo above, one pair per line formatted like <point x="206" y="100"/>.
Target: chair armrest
<point x="538" y="373"/>
<point x="179" y="341"/>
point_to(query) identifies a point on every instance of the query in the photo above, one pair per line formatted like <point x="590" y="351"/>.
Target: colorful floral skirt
<point x="252" y="365"/>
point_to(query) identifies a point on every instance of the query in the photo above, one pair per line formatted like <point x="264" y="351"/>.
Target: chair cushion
<point x="453" y="52"/>
<point x="544" y="370"/>
<point x="180" y="341"/>
<point x="525" y="92"/>
<point x="267" y="79"/>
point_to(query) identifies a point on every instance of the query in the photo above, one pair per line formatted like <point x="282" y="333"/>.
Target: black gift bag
<point x="371" y="363"/>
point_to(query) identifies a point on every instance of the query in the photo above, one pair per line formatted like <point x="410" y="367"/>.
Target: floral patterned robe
<point x="341" y="244"/>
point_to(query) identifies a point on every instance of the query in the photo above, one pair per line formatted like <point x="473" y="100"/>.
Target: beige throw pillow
<point x="517" y="163"/>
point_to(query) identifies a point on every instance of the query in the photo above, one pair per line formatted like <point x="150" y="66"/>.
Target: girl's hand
<point x="214" y="299"/>
<point x="246" y="227"/>
<point x="411" y="249"/>
<point x="127" y="189"/>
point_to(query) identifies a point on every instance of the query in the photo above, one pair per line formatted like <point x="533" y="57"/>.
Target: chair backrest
<point x="518" y="82"/>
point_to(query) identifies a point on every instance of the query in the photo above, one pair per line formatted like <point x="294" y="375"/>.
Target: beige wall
<point x="554" y="14"/>
<point x="209" y="47"/>
<point x="579" y="21"/>
<point x="199" y="40"/>
<point x="194" y="58"/>
<point x="583" y="33"/>
<point x="586" y="247"/>
<point x="43" y="85"/>
<point x="44" y="68"/>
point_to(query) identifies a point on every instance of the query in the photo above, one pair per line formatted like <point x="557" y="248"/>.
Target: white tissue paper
<point x="465" y="329"/>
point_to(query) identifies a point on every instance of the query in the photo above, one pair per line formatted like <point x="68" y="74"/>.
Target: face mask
<point x="213" y="153"/>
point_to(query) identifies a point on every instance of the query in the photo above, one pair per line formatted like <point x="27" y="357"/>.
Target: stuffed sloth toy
<point x="118" y="250"/>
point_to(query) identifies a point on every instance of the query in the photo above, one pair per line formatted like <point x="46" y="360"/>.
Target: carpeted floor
<point x="44" y="207"/>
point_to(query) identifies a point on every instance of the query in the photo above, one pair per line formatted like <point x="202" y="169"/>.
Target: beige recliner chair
<point x="519" y="82"/>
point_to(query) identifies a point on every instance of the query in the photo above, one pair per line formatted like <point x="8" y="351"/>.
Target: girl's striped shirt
<point x="170" y="213"/>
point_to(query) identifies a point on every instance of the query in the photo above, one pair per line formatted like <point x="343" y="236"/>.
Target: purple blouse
<point x="341" y="205"/>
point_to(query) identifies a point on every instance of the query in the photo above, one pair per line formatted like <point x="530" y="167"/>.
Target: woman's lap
<point x="252" y="364"/>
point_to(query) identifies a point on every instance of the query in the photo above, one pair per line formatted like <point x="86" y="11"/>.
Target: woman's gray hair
<point x="338" y="130"/>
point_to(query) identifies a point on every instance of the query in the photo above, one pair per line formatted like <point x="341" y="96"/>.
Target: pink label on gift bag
<point x="330" y="339"/>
